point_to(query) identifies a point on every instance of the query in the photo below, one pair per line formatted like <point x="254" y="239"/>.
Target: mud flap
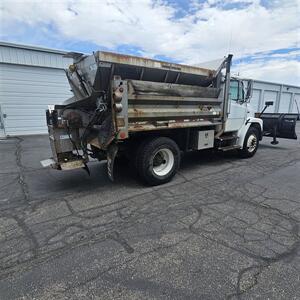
<point x="111" y="155"/>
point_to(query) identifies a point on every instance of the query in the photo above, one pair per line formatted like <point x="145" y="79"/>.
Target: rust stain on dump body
<point x="152" y="63"/>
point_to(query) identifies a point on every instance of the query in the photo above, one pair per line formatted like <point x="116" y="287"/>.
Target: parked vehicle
<point x="150" y="111"/>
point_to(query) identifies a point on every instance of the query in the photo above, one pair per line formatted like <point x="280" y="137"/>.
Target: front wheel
<point x="158" y="160"/>
<point x="250" y="143"/>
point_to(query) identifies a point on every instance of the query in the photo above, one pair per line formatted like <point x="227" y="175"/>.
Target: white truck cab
<point x="240" y="115"/>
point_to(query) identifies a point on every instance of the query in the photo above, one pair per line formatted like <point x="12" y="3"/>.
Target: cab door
<point x="237" y="107"/>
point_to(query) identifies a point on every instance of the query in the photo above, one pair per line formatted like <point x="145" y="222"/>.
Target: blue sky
<point x="264" y="41"/>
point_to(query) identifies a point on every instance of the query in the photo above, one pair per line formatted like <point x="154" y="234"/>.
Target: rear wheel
<point x="250" y="143"/>
<point x="157" y="160"/>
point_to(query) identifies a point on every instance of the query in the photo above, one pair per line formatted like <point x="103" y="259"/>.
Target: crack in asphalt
<point x="21" y="178"/>
<point x="115" y="236"/>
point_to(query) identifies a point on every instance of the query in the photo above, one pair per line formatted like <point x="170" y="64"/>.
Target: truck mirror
<point x="267" y="104"/>
<point x="249" y="89"/>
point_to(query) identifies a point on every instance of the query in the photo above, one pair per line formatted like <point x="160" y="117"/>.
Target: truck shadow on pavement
<point x="125" y="174"/>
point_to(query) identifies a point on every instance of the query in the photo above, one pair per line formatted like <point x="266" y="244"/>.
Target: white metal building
<point x="286" y="98"/>
<point x="31" y="78"/>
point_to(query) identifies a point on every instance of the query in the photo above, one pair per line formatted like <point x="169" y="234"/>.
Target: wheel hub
<point x="252" y="143"/>
<point x="163" y="162"/>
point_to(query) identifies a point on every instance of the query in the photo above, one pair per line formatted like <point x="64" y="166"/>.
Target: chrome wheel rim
<point x="252" y="143"/>
<point x="163" y="161"/>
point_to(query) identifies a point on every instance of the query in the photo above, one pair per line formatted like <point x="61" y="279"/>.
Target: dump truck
<point x="152" y="111"/>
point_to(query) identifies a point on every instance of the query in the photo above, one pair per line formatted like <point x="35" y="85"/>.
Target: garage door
<point x="26" y="92"/>
<point x="270" y="96"/>
<point x="254" y="102"/>
<point x="285" y="102"/>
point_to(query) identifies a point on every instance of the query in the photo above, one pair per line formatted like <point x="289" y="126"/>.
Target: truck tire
<point x="250" y="143"/>
<point x="157" y="160"/>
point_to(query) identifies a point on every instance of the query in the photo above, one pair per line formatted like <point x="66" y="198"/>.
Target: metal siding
<point x="2" y="131"/>
<point x="20" y="56"/>
<point x="285" y="102"/>
<point x="270" y="96"/>
<point x="255" y="99"/>
<point x="294" y="106"/>
<point x="26" y="92"/>
<point x="280" y="94"/>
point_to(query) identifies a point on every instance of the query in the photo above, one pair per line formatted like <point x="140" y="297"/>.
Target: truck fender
<point x="244" y="129"/>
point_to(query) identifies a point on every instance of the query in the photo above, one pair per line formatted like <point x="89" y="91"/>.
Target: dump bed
<point x="98" y="69"/>
<point x="156" y="94"/>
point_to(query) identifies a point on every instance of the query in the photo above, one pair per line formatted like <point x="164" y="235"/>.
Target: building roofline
<point x="32" y="47"/>
<point x="277" y="83"/>
<point x="267" y="82"/>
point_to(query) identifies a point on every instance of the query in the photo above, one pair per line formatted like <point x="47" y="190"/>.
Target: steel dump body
<point x="159" y="94"/>
<point x="157" y="105"/>
<point x="100" y="68"/>
<point x="118" y="96"/>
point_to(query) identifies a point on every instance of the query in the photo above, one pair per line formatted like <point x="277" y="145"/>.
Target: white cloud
<point x="208" y="31"/>
<point x="283" y="71"/>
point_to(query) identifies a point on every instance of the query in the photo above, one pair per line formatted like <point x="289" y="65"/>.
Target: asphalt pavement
<point x="224" y="228"/>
